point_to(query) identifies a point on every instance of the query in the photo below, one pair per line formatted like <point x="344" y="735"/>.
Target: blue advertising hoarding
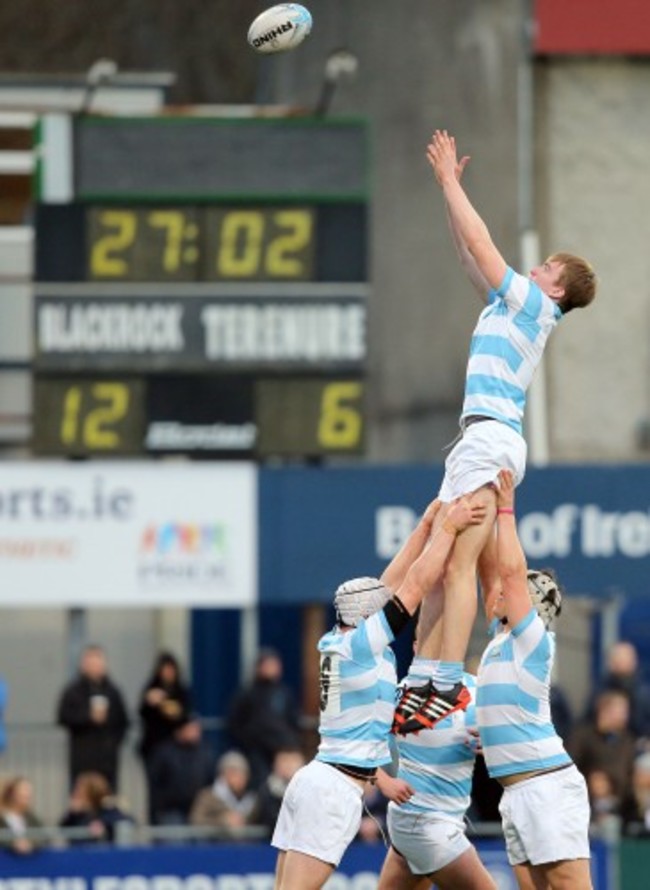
<point x="218" y="867"/>
<point x="319" y="526"/>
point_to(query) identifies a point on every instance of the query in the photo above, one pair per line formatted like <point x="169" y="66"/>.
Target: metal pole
<point x="610" y="624"/>
<point x="77" y="629"/>
<point x="249" y="641"/>
<point x="536" y="418"/>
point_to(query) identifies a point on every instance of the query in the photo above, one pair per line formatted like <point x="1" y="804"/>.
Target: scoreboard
<point x="203" y="289"/>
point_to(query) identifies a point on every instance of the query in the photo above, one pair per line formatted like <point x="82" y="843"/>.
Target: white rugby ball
<point x="280" y="28"/>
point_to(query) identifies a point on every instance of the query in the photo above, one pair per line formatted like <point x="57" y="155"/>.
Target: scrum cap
<point x="359" y="598"/>
<point x="545" y="593"/>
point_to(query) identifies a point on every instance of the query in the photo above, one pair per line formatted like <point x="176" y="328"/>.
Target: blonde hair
<point x="578" y="280"/>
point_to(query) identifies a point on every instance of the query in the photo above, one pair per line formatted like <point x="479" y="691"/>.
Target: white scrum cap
<point x="359" y="598"/>
<point x="545" y="593"/>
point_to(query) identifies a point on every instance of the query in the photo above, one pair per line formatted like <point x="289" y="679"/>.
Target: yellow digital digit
<point x="282" y="259"/>
<point x="70" y="415"/>
<point x="172" y="222"/>
<point x="240" y="244"/>
<point x="341" y="423"/>
<point x="112" y="406"/>
<point x="105" y="259"/>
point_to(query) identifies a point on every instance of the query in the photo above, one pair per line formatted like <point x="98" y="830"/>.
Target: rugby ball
<point x="280" y="28"/>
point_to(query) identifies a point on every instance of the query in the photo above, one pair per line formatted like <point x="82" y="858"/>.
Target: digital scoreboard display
<point x="224" y="242"/>
<point x="204" y="291"/>
<point x="230" y="416"/>
<point x="189" y="244"/>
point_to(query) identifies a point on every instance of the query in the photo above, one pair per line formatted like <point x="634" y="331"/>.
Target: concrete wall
<point x="594" y="190"/>
<point x="422" y="65"/>
<point x="454" y="65"/>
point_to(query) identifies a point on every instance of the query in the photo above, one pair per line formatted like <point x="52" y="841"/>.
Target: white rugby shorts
<point x="320" y="813"/>
<point x="546" y="818"/>
<point x="475" y="460"/>
<point x="427" y="841"/>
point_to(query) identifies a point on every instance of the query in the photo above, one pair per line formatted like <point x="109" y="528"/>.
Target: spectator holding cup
<point x="92" y="710"/>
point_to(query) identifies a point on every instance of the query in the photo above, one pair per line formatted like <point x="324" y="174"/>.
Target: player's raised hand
<point x="460" y="164"/>
<point x="441" y="154"/>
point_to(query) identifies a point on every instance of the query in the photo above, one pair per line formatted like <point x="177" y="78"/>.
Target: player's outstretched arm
<point x="467" y="261"/>
<point x="471" y="229"/>
<point x="394" y="574"/>
<point x="427" y="570"/>
<point x="510" y="554"/>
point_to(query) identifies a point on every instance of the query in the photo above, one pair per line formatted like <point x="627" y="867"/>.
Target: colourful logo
<point x="184" y="539"/>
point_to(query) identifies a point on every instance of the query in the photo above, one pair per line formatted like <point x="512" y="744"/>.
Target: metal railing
<point x="128" y="834"/>
<point x="39" y="752"/>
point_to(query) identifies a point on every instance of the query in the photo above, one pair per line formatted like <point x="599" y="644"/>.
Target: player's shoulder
<point x="335" y="640"/>
<point x="525" y="295"/>
<point x="530" y="623"/>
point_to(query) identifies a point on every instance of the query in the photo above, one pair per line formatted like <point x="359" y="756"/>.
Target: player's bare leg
<point x="460" y="583"/>
<point x="429" y="619"/>
<point x="465" y="873"/>
<point x="421" y="707"/>
<point x="279" y="870"/>
<point x="527" y="879"/>
<point x="302" y="872"/>
<point x="396" y="875"/>
<point x="570" y="874"/>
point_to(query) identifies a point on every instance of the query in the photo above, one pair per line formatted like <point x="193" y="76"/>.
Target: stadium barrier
<point x="227" y="866"/>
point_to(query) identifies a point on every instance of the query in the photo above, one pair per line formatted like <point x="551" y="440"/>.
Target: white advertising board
<point x="128" y="534"/>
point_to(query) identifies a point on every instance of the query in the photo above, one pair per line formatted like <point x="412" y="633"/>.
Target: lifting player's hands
<point x="506" y="490"/>
<point x="462" y="513"/>
<point x="397" y="790"/>
<point x="441" y="154"/>
<point x="473" y="741"/>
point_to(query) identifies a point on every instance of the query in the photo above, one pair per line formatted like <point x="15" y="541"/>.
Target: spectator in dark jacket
<point x="606" y="745"/>
<point x="263" y="716"/>
<point x="623" y="675"/>
<point x="165" y="704"/>
<point x="180" y="768"/>
<point x="92" y="709"/>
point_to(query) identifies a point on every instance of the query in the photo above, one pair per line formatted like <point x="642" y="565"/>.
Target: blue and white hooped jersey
<point x="513" y="701"/>
<point x="438" y="763"/>
<point x="507" y="345"/>
<point x="358" y="679"/>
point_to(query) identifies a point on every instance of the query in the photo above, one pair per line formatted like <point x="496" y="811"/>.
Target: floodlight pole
<point x="529" y="251"/>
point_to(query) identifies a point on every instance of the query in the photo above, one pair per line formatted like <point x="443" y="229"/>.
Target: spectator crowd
<point x="190" y="784"/>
